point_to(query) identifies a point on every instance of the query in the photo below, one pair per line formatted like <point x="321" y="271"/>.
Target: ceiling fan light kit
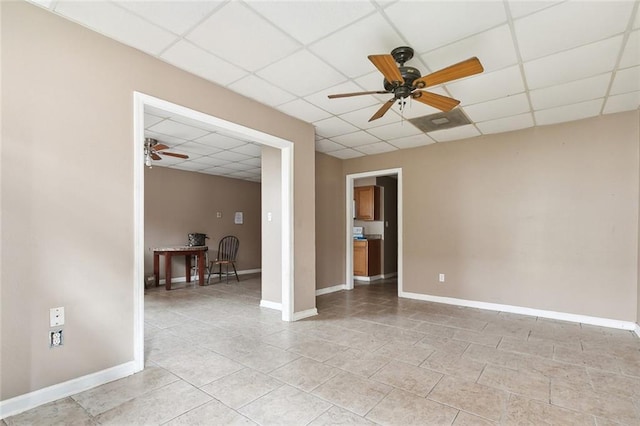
<point x="404" y="81"/>
<point x="153" y="149"/>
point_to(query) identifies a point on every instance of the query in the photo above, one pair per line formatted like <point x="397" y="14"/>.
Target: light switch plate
<point x="56" y="317"/>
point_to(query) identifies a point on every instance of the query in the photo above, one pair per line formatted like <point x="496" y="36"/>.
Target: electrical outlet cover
<point x="55" y="338"/>
<point x="56" y="317"/>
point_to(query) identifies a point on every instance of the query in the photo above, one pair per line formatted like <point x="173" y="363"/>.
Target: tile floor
<point x="214" y="357"/>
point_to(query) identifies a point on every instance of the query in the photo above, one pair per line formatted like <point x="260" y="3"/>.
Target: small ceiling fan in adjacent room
<point x="154" y="149"/>
<point x="404" y="81"/>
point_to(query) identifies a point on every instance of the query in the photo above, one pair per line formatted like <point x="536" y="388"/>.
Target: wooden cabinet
<point x="366" y="258"/>
<point x="367" y="202"/>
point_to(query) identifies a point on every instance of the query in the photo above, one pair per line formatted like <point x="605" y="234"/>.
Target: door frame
<point x="350" y="179"/>
<point x="140" y="100"/>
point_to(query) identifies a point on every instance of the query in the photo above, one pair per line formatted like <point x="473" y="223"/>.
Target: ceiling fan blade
<point x="383" y="109"/>
<point x="172" y="154"/>
<point x="462" y="69"/>
<point x="346" y="95"/>
<point x="160" y="147"/>
<point x="443" y="103"/>
<point x="155" y="156"/>
<point x="387" y="66"/>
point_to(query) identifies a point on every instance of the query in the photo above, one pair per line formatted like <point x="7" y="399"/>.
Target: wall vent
<point x="441" y="120"/>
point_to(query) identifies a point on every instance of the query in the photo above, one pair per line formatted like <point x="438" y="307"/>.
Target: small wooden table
<point x="187" y="252"/>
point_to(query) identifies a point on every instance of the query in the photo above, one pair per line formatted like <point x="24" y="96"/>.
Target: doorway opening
<point x="351" y="180"/>
<point x="284" y="181"/>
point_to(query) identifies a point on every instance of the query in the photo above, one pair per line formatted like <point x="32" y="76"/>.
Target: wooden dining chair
<point x="227" y="254"/>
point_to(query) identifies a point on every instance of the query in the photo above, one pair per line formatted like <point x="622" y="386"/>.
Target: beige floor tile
<point x="588" y="359"/>
<point x="598" y="404"/>
<point x="60" y="412"/>
<point x="474" y="398"/>
<point x="304" y="373"/>
<point x="156" y="407"/>
<point x="454" y="365"/>
<point x="266" y="358"/>
<point x="404" y="408"/>
<point x="466" y="419"/>
<point x="211" y="413"/>
<point x="524" y="411"/>
<point x="242" y="387"/>
<point x="105" y="397"/>
<point x="320" y="350"/>
<point x="615" y="384"/>
<point x="408" y="377"/>
<point x="444" y="344"/>
<point x="285" y="406"/>
<point x="354" y="393"/>
<point x="434" y="329"/>
<point x="495" y="356"/>
<point x="537" y="348"/>
<point x="513" y="329"/>
<point x="411" y="354"/>
<point x="200" y="366"/>
<point x="530" y="385"/>
<point x="358" y="362"/>
<point x="477" y="338"/>
<point x="340" y="416"/>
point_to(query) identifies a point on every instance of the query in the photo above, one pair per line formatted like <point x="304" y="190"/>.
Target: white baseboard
<point x="368" y="279"/>
<point x="637" y="330"/>
<point x="390" y="275"/>
<point x="183" y="279"/>
<point x="271" y="305"/>
<point x="304" y="314"/>
<point x="18" y="404"/>
<point x="562" y="316"/>
<point x="333" y="289"/>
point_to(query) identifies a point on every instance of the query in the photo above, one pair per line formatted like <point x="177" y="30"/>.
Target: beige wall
<point x="330" y="221"/>
<point x="67" y="190"/>
<point x="545" y="218"/>
<point x="177" y="202"/>
<point x="271" y="231"/>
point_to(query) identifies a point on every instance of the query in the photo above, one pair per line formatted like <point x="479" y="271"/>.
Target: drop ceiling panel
<point x="165" y="139"/>
<point x="117" y="23"/>
<point x="196" y="148"/>
<point x="570" y="24"/>
<point x="175" y="16"/>
<point x="342" y="105"/>
<point x="256" y="162"/>
<point x="485" y="87"/>
<point x="376" y="148"/>
<point x="249" y="149"/>
<point x="150" y="120"/>
<point x="260" y="90"/>
<point x="191" y="166"/>
<point x="303" y="110"/>
<point x="327" y="145"/>
<point x="308" y="21"/>
<point x="231" y="156"/>
<point x="569" y="112"/>
<point x="356" y="139"/>
<point x="346" y="153"/>
<point x="574" y="64"/>
<point x="394" y="130"/>
<point x="220" y="141"/>
<point x="631" y="55"/>
<point x="498" y="108"/>
<point x="494" y="48"/>
<point x="520" y="8"/>
<point x="179" y="130"/>
<point x="627" y="80"/>
<point x="421" y="23"/>
<point x="624" y="102"/>
<point x="361" y="117"/>
<point x="243" y="38"/>
<point x="411" y="141"/>
<point x="333" y="126"/>
<point x="506" y="124"/>
<point x="347" y="49"/>
<point x="202" y="63"/>
<point x="569" y="93"/>
<point x="462" y="132"/>
<point x="316" y="74"/>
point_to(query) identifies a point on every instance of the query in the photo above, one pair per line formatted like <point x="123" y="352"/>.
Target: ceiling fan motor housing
<point x="409" y="74"/>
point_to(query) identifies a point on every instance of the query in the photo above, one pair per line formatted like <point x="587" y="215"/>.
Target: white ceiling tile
<point x="327" y="145"/>
<point x="249" y="149"/>
<point x="157" y="112"/>
<point x="636" y="21"/>
<point x="494" y="48"/>
<point x="242" y="37"/>
<point x="179" y="130"/>
<point x="253" y="161"/>
<point x="422" y="22"/>
<point x="302" y="73"/>
<point x="230" y="156"/>
<point x="221" y="141"/>
<point x="239" y="166"/>
<point x="377" y="148"/>
<point x="355" y="139"/>
<point x="333" y="126"/>
<point x="347" y="49"/>
<point x="631" y="55"/>
<point x="411" y="141"/>
<point x="219" y="171"/>
<point x="175" y="16"/>
<point x="117" y="23"/>
<point x="626" y="81"/>
<point x="197" y="148"/>
<point x="166" y="161"/>
<point x="569" y="112"/>
<point x="165" y="139"/>
<point x="572" y="65"/>
<point x="624" y="102"/>
<point x="43" y="3"/>
<point x="569" y="93"/>
<point x="185" y="55"/>
<point x="523" y="7"/>
<point x="487" y="86"/>
<point x="307" y="21"/>
<point x="260" y="90"/>
<point x="346" y="153"/>
<point x="498" y="108"/>
<point x="570" y="24"/>
<point x="303" y="110"/>
<point x="195" y="123"/>
<point x="506" y="124"/>
<point x="360" y="118"/>
<point x="341" y="105"/>
<point x="210" y="161"/>
<point x="243" y="174"/>
<point x="189" y="166"/>
<point x="394" y="130"/>
<point x="150" y="120"/>
<point x="457" y="133"/>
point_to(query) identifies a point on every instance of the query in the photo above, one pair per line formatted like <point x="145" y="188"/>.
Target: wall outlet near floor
<point x="55" y="338"/>
<point x="441" y="278"/>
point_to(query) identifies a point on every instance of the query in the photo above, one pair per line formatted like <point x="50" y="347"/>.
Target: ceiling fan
<point x="153" y="149"/>
<point x="404" y="81"/>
